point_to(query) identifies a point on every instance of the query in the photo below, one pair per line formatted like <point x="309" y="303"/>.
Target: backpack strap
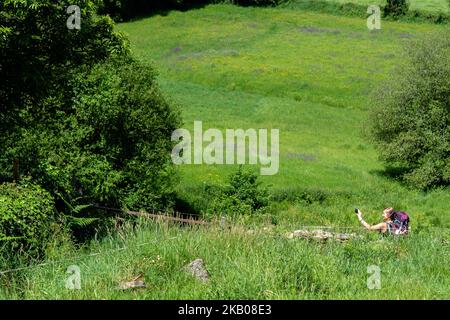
<point x="389" y="227"/>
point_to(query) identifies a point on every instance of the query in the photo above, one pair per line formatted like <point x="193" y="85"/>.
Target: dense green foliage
<point x="38" y="53"/>
<point x="396" y="7"/>
<point x="110" y="144"/>
<point x="124" y="122"/>
<point x="128" y="9"/>
<point x="245" y="186"/>
<point x="243" y="195"/>
<point x="27" y="218"/>
<point x="410" y="122"/>
<point x="38" y="57"/>
<point x="83" y="119"/>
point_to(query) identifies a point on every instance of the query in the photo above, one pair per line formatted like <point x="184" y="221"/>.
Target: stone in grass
<point x="321" y="235"/>
<point x="198" y="270"/>
<point x="133" y="284"/>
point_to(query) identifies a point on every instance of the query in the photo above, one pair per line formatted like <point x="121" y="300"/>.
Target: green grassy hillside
<point x="309" y="75"/>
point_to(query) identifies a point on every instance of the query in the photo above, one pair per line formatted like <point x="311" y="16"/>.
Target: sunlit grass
<point x="309" y="75"/>
<point x="244" y="265"/>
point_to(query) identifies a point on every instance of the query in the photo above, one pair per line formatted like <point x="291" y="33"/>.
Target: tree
<point x="38" y="52"/>
<point x="83" y="118"/>
<point x="113" y="147"/>
<point x="410" y="122"/>
<point x="396" y="8"/>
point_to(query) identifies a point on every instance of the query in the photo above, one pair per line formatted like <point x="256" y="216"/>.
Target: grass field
<point x="309" y="75"/>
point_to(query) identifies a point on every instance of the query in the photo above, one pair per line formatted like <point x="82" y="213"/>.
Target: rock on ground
<point x="198" y="270"/>
<point x="131" y="285"/>
<point x="321" y="235"/>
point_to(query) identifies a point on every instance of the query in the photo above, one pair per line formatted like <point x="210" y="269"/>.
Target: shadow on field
<point x="138" y="10"/>
<point x="393" y="173"/>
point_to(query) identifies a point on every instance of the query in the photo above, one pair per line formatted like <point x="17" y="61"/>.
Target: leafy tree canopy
<point x="410" y="123"/>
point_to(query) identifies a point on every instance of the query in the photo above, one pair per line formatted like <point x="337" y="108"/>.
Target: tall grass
<point x="257" y="264"/>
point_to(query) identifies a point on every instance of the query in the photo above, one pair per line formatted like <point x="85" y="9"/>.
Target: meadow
<point x="311" y="76"/>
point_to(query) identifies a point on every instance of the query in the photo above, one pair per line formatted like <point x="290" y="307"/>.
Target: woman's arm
<point x="382" y="227"/>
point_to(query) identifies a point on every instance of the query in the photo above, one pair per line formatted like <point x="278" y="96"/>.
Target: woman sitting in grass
<point x="394" y="222"/>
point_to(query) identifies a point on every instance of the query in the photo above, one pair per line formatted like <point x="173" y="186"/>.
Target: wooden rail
<point x="155" y="216"/>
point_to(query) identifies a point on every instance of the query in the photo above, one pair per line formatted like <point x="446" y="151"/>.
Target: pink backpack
<point x="400" y="223"/>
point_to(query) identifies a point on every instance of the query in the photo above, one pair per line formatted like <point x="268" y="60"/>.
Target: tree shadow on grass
<point x="391" y="173"/>
<point x="138" y="11"/>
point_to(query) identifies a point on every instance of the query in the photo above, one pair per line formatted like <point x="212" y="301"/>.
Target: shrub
<point x="243" y="195"/>
<point x="110" y="145"/>
<point x="396" y="8"/>
<point x="245" y="187"/>
<point x="410" y="122"/>
<point x="26" y="217"/>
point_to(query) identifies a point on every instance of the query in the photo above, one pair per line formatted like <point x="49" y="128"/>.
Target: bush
<point x="110" y="145"/>
<point x="396" y="8"/>
<point x="243" y="196"/>
<point x="245" y="187"/>
<point x="410" y="122"/>
<point x="26" y="218"/>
